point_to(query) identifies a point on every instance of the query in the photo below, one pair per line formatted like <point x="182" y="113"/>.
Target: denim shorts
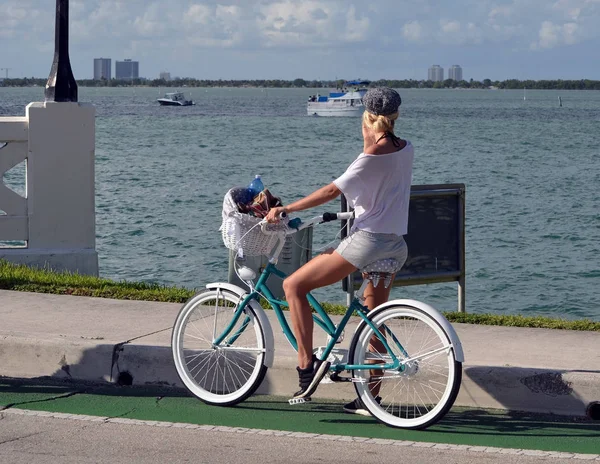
<point x="362" y="248"/>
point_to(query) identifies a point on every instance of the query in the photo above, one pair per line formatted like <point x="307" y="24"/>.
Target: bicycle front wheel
<point x="423" y="388"/>
<point x="230" y="371"/>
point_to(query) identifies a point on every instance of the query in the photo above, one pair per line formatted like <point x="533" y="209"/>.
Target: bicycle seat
<point x="383" y="268"/>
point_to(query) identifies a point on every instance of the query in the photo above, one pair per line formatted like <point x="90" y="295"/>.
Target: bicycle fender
<point x="437" y="316"/>
<point x="260" y="314"/>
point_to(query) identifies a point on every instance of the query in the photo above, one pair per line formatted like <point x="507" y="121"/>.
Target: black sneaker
<point x="357" y="407"/>
<point x="310" y="377"/>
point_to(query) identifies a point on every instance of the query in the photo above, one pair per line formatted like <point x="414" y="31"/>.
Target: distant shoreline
<point x="486" y="84"/>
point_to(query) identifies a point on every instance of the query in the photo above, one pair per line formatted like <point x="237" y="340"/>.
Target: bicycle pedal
<point x="294" y="401"/>
<point x="357" y="380"/>
<point x="335" y="377"/>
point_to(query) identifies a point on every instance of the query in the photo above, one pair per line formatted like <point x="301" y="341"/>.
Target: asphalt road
<point x="116" y="424"/>
<point x="34" y="439"/>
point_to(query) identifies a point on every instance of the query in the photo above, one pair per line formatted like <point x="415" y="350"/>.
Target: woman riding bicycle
<point x="377" y="186"/>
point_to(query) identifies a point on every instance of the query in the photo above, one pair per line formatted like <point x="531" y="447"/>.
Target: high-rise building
<point x="455" y="73"/>
<point x="436" y="73"/>
<point x="127" y="69"/>
<point x="102" y="69"/>
<point x="165" y="75"/>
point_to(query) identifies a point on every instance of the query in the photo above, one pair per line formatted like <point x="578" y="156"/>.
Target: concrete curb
<point x="505" y="368"/>
<point x="497" y="387"/>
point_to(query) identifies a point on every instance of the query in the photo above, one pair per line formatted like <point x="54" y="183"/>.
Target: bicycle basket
<point x="242" y="232"/>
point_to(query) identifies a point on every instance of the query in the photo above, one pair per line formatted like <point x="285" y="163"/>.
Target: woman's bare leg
<point x="375" y="296"/>
<point x="326" y="269"/>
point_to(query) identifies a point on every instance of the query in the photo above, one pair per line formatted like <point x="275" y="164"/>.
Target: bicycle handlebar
<point x="325" y="217"/>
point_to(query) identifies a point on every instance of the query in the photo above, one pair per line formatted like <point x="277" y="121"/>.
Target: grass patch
<point x="26" y="279"/>
<point x="23" y="278"/>
<point x="523" y="321"/>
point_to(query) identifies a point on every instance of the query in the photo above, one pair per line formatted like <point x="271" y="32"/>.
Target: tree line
<point x="558" y="84"/>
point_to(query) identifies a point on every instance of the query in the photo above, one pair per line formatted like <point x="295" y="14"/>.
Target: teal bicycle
<point x="404" y="359"/>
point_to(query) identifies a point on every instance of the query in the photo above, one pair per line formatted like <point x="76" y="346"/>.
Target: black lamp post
<point x="61" y="85"/>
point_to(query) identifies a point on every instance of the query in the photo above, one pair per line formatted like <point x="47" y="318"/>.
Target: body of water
<point x="531" y="169"/>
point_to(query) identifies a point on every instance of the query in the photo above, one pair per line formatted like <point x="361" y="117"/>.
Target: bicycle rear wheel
<point x="424" y="387"/>
<point x="225" y="373"/>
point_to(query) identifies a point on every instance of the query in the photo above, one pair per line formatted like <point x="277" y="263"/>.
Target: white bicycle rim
<point x="226" y="374"/>
<point x="419" y="396"/>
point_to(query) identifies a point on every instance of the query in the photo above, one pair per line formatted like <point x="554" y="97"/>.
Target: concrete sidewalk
<point x="96" y="339"/>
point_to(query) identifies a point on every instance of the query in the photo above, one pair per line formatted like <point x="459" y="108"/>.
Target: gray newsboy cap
<point x="382" y="101"/>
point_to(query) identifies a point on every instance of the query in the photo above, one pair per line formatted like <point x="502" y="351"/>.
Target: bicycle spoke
<point x="223" y="374"/>
<point x="418" y="392"/>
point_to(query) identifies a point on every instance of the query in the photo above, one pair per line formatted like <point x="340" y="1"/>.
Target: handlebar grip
<point x="264" y="223"/>
<point x="347" y="215"/>
<point x="328" y="217"/>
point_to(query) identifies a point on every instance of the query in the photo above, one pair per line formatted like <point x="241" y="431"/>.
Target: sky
<point x="311" y="39"/>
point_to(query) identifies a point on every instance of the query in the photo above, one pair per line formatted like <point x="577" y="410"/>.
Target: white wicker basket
<point x="242" y="232"/>
<point x="238" y="233"/>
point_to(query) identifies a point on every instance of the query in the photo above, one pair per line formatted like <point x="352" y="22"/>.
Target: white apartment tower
<point x="455" y="73"/>
<point x="102" y="69"/>
<point x="127" y="69"/>
<point x="436" y="73"/>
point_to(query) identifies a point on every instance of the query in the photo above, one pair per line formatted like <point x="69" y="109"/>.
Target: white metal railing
<point x="50" y="221"/>
<point x="14" y="222"/>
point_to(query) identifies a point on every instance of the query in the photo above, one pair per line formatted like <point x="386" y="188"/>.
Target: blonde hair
<point x="380" y="123"/>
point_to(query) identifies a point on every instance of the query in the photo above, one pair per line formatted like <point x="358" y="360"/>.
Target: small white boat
<point x="175" y="99"/>
<point x="341" y="102"/>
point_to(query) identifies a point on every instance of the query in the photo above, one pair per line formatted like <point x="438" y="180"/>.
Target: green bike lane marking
<point x="460" y="426"/>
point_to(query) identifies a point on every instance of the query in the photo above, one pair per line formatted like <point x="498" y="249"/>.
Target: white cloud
<point x="572" y="9"/>
<point x="552" y="35"/>
<point x="156" y="32"/>
<point x="357" y="28"/>
<point x="268" y="24"/>
<point x="323" y="23"/>
<point x="453" y="32"/>
<point x="413" y="31"/>
<point x="549" y="33"/>
<point x="13" y="14"/>
<point x="570" y="33"/>
<point x="213" y="26"/>
<point x="450" y="27"/>
<point x="498" y="13"/>
<point x="152" y="22"/>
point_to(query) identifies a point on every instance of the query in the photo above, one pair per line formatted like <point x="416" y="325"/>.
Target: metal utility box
<point x="435" y="239"/>
<point x="296" y="252"/>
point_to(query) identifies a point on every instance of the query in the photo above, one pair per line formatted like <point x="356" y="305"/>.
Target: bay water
<point x="531" y="170"/>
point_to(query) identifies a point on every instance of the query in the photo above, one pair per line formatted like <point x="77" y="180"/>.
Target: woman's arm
<point x="318" y="197"/>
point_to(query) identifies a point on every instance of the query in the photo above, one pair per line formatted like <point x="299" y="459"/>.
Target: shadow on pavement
<point x="459" y="421"/>
<point x="535" y="390"/>
<point x="483" y="422"/>
<point x="52" y="385"/>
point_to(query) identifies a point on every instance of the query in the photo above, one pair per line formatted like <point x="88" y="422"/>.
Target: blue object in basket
<point x="242" y="195"/>
<point x="256" y="186"/>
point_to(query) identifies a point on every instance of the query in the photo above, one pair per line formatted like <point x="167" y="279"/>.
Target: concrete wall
<point x="53" y="225"/>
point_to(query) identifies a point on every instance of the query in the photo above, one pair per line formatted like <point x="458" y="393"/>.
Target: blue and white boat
<point x="346" y="101"/>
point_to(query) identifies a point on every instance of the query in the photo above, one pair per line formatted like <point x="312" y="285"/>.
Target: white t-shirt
<point x="378" y="188"/>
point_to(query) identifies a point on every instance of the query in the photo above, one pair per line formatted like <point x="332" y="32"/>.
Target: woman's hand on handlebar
<point x="275" y="214"/>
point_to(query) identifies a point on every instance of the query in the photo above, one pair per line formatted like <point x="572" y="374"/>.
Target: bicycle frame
<point x="321" y="318"/>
